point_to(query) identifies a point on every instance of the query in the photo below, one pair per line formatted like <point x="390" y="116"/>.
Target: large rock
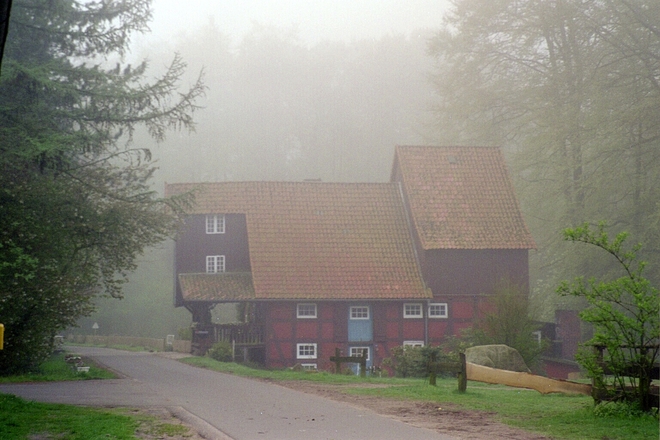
<point x="499" y="356"/>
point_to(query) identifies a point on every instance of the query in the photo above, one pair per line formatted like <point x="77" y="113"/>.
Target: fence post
<point x="363" y="363"/>
<point x="337" y="361"/>
<point x="433" y="368"/>
<point x="462" y="376"/>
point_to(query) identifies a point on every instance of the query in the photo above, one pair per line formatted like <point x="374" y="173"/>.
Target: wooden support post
<point x="462" y="375"/>
<point x="363" y="363"/>
<point x="433" y="369"/>
<point x="337" y="361"/>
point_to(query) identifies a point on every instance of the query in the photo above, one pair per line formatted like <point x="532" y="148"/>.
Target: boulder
<point x="498" y="356"/>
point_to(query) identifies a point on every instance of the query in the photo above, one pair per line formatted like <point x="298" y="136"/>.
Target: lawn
<point x="556" y="415"/>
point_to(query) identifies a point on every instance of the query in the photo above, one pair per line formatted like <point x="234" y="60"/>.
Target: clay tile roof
<point x="231" y="286"/>
<point x="461" y="198"/>
<point x="311" y="240"/>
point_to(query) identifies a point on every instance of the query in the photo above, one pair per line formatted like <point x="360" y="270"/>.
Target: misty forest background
<point x="569" y="90"/>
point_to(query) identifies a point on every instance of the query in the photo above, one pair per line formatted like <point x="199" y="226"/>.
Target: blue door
<point x="360" y="333"/>
<point x="360" y="324"/>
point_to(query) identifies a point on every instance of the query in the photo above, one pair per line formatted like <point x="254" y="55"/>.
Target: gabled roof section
<point x="461" y="198"/>
<point x="312" y="240"/>
<point x="231" y="286"/>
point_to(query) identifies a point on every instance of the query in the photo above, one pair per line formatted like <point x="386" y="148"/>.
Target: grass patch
<point x="123" y="347"/>
<point x="56" y="369"/>
<point x="287" y="374"/>
<point x="20" y="419"/>
<point x="556" y="415"/>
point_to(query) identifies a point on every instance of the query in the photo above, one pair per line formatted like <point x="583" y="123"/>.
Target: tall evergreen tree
<point x="76" y="206"/>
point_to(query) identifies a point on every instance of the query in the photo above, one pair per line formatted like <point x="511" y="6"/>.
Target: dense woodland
<point x="570" y="90"/>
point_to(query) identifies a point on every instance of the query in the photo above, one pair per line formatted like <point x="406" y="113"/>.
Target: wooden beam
<point x="541" y="384"/>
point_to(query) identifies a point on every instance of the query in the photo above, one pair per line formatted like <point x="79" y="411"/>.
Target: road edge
<point x="203" y="428"/>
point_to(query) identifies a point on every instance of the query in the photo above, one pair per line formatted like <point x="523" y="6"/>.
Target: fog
<point x="325" y="90"/>
<point x="296" y="90"/>
<point x="305" y="90"/>
<point x="316" y="20"/>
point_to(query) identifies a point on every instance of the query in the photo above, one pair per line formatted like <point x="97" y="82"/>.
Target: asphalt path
<point x="221" y="406"/>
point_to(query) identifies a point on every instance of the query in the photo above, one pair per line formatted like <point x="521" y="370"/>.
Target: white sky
<point x="316" y="19"/>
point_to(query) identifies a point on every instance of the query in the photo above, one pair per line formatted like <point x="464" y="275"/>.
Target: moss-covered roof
<point x="228" y="286"/>
<point x="461" y="198"/>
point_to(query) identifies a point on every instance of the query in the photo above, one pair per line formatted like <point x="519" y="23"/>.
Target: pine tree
<point x="76" y="206"/>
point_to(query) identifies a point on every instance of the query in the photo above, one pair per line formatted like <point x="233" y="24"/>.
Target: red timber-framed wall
<point x="329" y="330"/>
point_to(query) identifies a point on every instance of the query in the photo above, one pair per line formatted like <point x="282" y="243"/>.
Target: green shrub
<point x="623" y="410"/>
<point x="221" y="351"/>
<point x="407" y="361"/>
<point x="185" y="333"/>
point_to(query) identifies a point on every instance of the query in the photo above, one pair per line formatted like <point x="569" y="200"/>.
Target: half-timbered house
<point x="352" y="266"/>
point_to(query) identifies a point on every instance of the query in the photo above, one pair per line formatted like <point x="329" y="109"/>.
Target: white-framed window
<point x="413" y="344"/>
<point x="359" y="312"/>
<point x="412" y="310"/>
<point x="215" y="263"/>
<point x="215" y="224"/>
<point x="306" y="351"/>
<point x="357" y="352"/>
<point x="306" y="311"/>
<point x="438" y="310"/>
<point x="537" y="336"/>
<point x="309" y="367"/>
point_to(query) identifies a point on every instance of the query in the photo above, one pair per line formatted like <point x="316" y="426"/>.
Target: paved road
<point x="225" y="406"/>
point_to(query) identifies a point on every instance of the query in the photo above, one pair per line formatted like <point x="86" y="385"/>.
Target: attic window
<point x="215" y="224"/>
<point x="452" y="159"/>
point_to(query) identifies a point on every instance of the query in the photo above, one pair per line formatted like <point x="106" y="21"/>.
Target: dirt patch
<point x="161" y="423"/>
<point x="444" y="418"/>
